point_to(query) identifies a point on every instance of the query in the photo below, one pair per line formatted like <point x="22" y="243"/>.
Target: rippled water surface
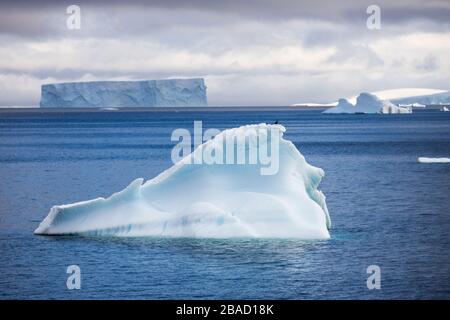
<point x="386" y="208"/>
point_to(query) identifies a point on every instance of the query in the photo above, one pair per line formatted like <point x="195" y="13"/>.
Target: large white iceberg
<point x="113" y="94"/>
<point x="216" y="200"/>
<point x="367" y="103"/>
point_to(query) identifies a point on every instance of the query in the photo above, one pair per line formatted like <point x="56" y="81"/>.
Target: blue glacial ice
<point x="113" y="94"/>
<point x="209" y="200"/>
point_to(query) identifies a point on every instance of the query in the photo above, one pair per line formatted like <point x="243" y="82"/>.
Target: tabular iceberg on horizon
<point x="428" y="99"/>
<point x="146" y="93"/>
<point x="209" y="200"/>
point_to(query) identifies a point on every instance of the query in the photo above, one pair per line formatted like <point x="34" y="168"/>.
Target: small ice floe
<point x="433" y="160"/>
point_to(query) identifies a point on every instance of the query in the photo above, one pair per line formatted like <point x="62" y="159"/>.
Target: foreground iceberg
<point x="113" y="94"/>
<point x="217" y="200"/>
<point x="367" y="103"/>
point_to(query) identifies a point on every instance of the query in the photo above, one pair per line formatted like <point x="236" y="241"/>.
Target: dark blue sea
<point x="386" y="208"/>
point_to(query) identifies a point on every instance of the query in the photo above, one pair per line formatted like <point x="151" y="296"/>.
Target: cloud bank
<point x="250" y="52"/>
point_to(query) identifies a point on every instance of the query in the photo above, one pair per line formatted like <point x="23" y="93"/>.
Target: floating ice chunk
<point x="209" y="200"/>
<point x="433" y="160"/>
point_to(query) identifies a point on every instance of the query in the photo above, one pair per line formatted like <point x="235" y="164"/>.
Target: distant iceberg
<point x="406" y="97"/>
<point x="433" y="160"/>
<point x="410" y="96"/>
<point x="413" y="105"/>
<point x="200" y="200"/>
<point x="114" y="94"/>
<point x="438" y="98"/>
<point x="367" y="103"/>
<point x="343" y="106"/>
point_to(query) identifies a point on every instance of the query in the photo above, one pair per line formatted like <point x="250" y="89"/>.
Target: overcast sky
<point x="252" y="52"/>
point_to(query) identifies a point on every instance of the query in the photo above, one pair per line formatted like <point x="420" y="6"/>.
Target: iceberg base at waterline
<point x="209" y="200"/>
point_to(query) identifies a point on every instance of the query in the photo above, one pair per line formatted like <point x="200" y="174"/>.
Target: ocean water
<point x="386" y="208"/>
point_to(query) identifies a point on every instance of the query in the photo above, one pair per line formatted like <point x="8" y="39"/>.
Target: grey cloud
<point x="328" y="9"/>
<point x="40" y="18"/>
<point x="427" y="64"/>
<point x="232" y="43"/>
<point x="356" y="53"/>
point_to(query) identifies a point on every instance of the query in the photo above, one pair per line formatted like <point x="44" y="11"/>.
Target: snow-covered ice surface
<point x="426" y="99"/>
<point x="148" y="93"/>
<point x="367" y="103"/>
<point x="433" y="160"/>
<point x="200" y="200"/>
